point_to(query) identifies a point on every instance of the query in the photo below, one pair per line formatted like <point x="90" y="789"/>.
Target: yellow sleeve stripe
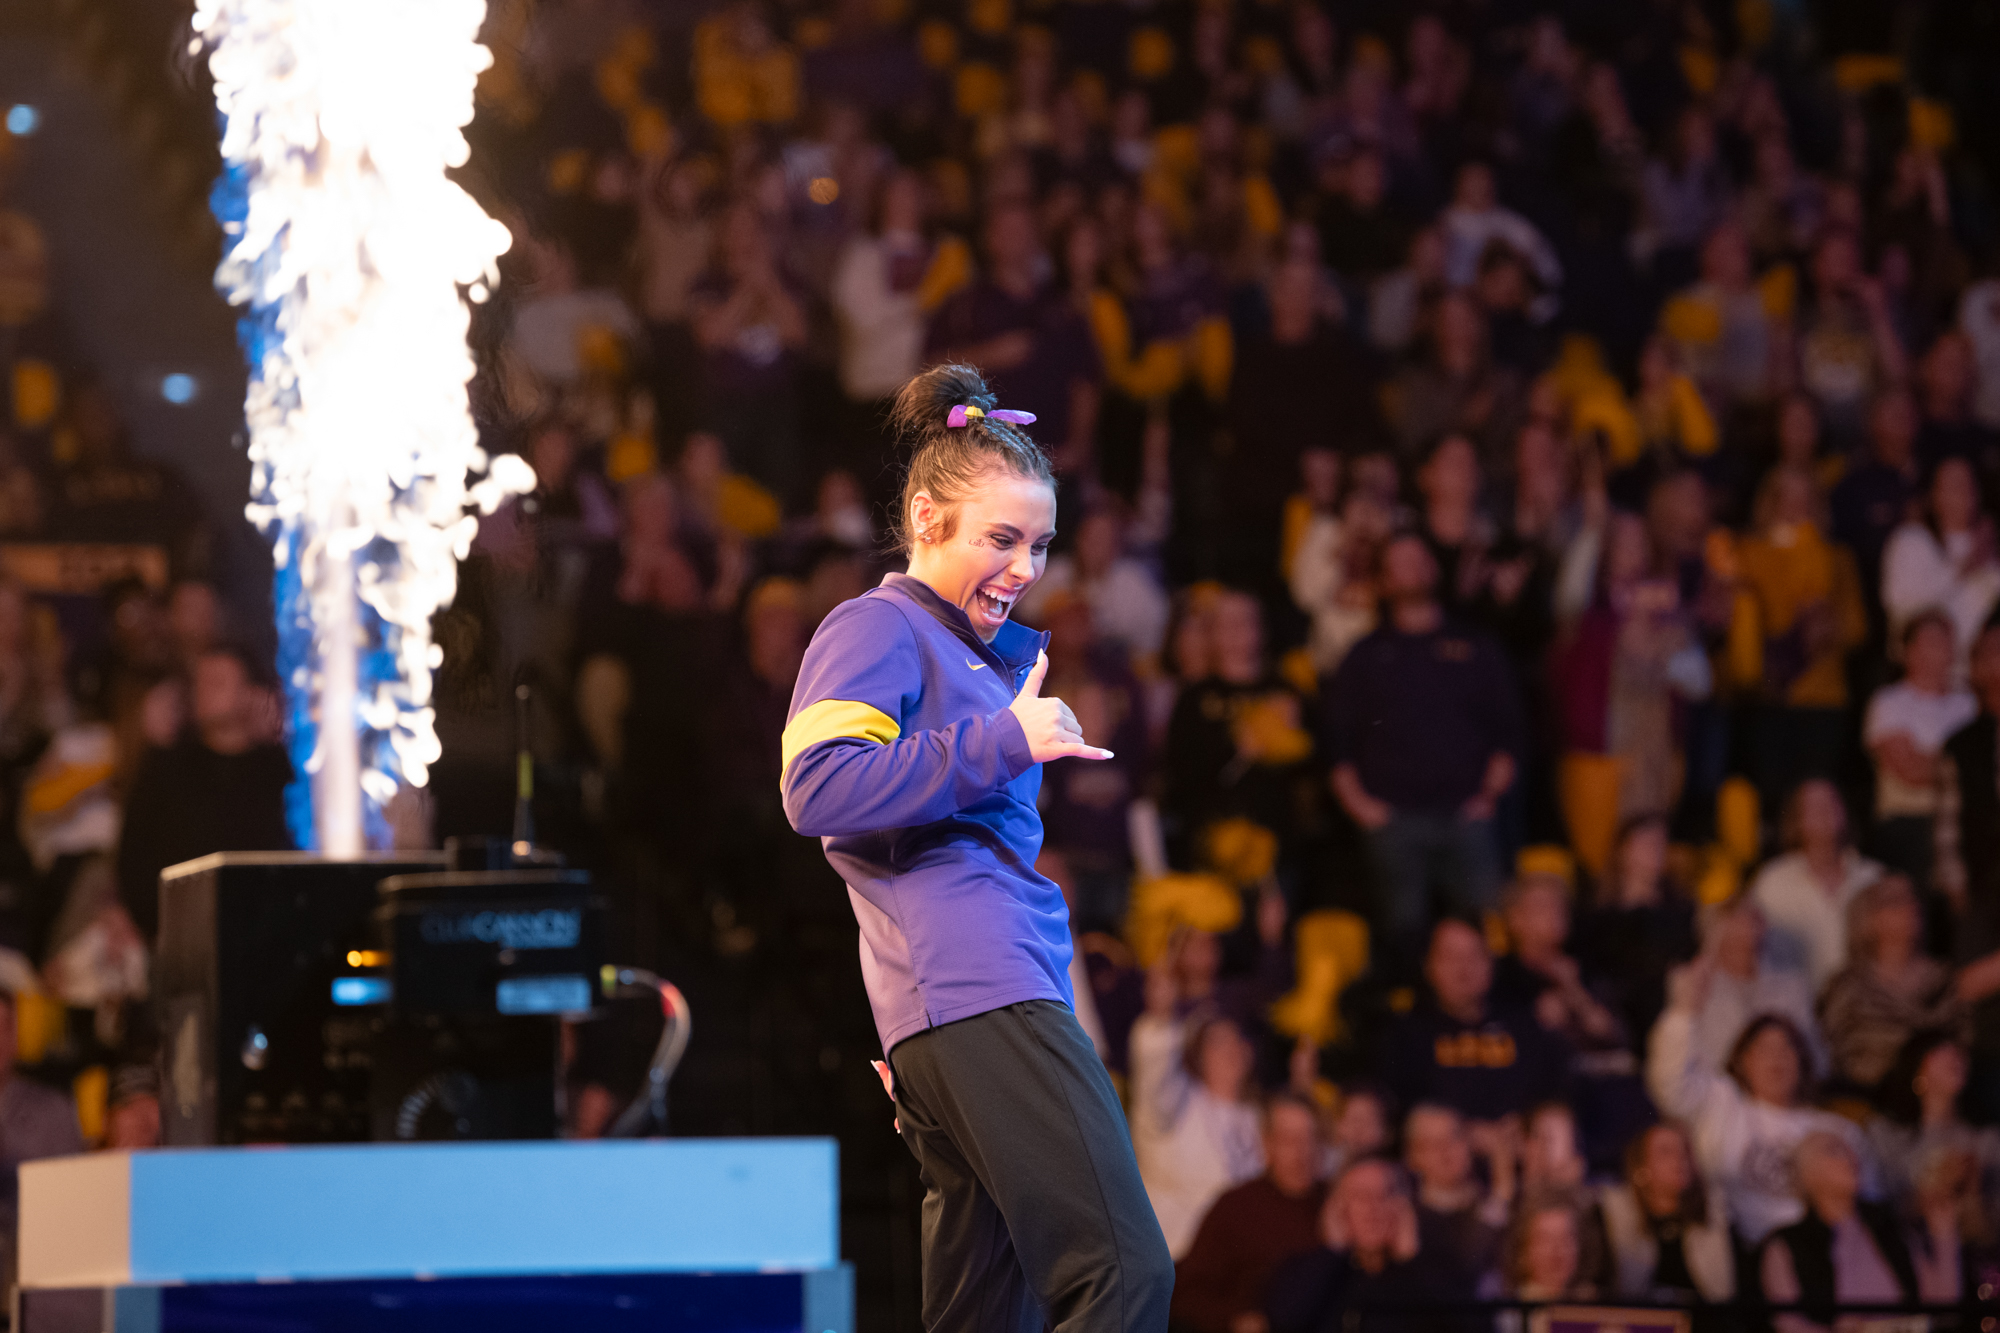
<point x="832" y="719"/>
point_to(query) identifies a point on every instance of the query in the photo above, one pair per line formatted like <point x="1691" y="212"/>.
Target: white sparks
<point x="351" y="250"/>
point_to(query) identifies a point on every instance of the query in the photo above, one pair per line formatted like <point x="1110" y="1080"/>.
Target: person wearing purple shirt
<point x="1031" y="343"/>
<point x="914" y="749"/>
<point x="1422" y="725"/>
<point x="1461" y="1046"/>
<point x="1879" y="492"/>
<point x="750" y="324"/>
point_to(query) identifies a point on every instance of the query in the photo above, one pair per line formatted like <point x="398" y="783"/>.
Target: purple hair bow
<point x="962" y="415"/>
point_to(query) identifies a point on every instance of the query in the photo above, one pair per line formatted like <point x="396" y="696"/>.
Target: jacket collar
<point x="1014" y="647"/>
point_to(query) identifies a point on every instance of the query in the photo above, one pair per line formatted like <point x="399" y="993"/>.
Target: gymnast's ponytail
<point x="949" y="461"/>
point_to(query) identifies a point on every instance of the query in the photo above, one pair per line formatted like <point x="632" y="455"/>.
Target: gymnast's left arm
<point x="848" y="766"/>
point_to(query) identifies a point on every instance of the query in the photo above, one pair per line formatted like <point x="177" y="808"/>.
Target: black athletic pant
<point x="1034" y="1215"/>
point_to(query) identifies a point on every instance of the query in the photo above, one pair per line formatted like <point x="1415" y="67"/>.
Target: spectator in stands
<point x="658" y="566"/>
<point x="1476" y="218"/>
<point x="1194" y="959"/>
<point x="1537" y="974"/>
<point x="1454" y="526"/>
<point x="1944" y="392"/>
<point x="1422" y="729"/>
<point x="1544" y="1254"/>
<point x="119" y="677"/>
<point x="1640" y="927"/>
<point x="1979" y="321"/>
<point x="1746" y="1122"/>
<point x="1333" y="564"/>
<point x="885" y="286"/>
<point x="1880" y="489"/>
<point x="1459" y="1219"/>
<point x="1723" y="326"/>
<point x="35" y="1122"/>
<point x="1905" y="729"/>
<point x="1804" y="893"/>
<point x="1668" y="1230"/>
<point x="1193" y="1128"/>
<point x="1625" y="670"/>
<point x="1440" y="68"/>
<point x="132" y="1109"/>
<point x="1369" y="1267"/>
<point x="1128" y="607"/>
<point x="1888" y="990"/>
<point x="674" y="236"/>
<point x="220" y="788"/>
<point x="1459" y="1049"/>
<point x="1456" y="389"/>
<point x="1799" y="444"/>
<point x="1236" y="743"/>
<point x="1508" y="297"/>
<point x="1181" y="339"/>
<point x="1597" y="155"/>
<point x="1360" y="232"/>
<point x="1676" y="427"/>
<point x="1293" y="384"/>
<point x="1552" y="1161"/>
<point x="749" y="321"/>
<point x="1848" y="348"/>
<point x="1967" y="826"/>
<point x="1533" y="533"/>
<point x="1398" y="300"/>
<point x="1254" y="1229"/>
<point x="1684" y="194"/>
<point x="1783" y="206"/>
<point x="1849" y="1250"/>
<point x="1016" y="325"/>
<point x="1944" y="560"/>
<point x="1189" y="654"/>
<point x="1922" y="1132"/>
<point x="562" y="321"/>
<point x="746" y="732"/>
<point x="23" y="500"/>
<point x="1361" y="1127"/>
<point x="1743" y="984"/>
<point x="1698" y="553"/>
<point x="33" y="701"/>
<point x="1799" y="613"/>
<point x="194" y="619"/>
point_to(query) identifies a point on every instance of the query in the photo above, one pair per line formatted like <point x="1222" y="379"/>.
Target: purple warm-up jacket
<point x="901" y="756"/>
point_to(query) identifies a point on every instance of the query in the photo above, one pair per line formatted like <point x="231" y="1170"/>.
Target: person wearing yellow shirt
<point x="1798" y="612"/>
<point x="1674" y="418"/>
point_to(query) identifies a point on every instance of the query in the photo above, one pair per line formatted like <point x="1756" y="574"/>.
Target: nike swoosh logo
<point x="976" y="666"/>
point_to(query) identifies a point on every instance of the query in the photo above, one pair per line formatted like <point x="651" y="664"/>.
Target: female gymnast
<point x="914" y="750"/>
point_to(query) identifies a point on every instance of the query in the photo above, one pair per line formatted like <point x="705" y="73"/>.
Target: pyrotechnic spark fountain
<point x="354" y="255"/>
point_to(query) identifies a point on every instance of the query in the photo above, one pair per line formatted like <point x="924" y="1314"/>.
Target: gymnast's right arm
<point x="848" y="768"/>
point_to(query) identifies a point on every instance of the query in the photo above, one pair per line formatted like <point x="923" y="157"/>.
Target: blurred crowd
<point x="1525" y="480"/>
<point x="1526" y="485"/>
<point x="137" y="729"/>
